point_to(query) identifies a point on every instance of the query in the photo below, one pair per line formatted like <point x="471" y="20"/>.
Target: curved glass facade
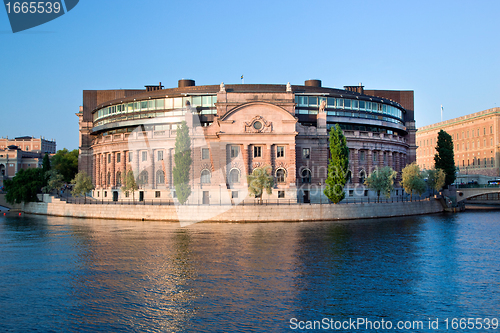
<point x="347" y="107"/>
<point x="171" y="106"/>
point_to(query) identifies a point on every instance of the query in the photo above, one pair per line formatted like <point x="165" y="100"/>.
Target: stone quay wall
<point x="259" y="213"/>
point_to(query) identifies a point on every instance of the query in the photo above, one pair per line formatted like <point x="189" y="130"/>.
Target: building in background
<point x="236" y="128"/>
<point x="476" y="145"/>
<point x="22" y="153"/>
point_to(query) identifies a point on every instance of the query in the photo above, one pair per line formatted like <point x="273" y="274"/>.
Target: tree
<point x="337" y="166"/>
<point x="129" y="184"/>
<point x="46" y="163"/>
<point x="83" y="185"/>
<point x="259" y="180"/>
<point x="66" y="163"/>
<point x="382" y="181"/>
<point x="182" y="158"/>
<point x="24" y="186"/>
<point x="413" y="180"/>
<point x="436" y="179"/>
<point x="54" y="181"/>
<point x="444" y="158"/>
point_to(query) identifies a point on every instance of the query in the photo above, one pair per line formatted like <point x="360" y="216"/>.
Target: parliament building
<point x="236" y="128"/>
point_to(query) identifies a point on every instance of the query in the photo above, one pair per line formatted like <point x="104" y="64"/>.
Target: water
<point x="76" y="275"/>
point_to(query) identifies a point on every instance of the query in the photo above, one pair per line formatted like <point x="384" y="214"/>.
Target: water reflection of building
<point x="242" y="127"/>
<point x="22" y="153"/>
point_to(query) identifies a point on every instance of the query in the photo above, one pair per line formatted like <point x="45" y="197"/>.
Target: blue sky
<point x="446" y="51"/>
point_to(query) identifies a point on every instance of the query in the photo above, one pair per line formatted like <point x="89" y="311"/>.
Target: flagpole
<point x="242" y="80"/>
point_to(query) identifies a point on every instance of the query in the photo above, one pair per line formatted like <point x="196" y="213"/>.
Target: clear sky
<point x="446" y="51"/>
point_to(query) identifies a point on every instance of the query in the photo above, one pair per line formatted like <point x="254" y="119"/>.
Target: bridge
<point x="479" y="192"/>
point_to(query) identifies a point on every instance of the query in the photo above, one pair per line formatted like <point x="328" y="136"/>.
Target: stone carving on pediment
<point x="207" y="166"/>
<point x="258" y="125"/>
<point x="256" y="165"/>
<point x="282" y="165"/>
<point x="236" y="165"/>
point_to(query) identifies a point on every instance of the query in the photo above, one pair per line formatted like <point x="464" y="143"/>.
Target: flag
<point x="242" y="77"/>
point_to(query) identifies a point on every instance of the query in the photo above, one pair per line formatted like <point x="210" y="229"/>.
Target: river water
<point x="76" y="275"/>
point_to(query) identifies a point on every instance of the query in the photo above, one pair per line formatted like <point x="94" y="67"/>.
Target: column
<point x="96" y="170"/>
<point x="151" y="167"/>
<point x="389" y="160"/>
<point x="268" y="157"/>
<point x="112" y="169"/>
<point x="355" y="166"/>
<point x="246" y="159"/>
<point x="136" y="163"/>
<point x="369" y="162"/>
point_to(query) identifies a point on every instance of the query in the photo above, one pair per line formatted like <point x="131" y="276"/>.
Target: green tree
<point x="260" y="180"/>
<point x="337" y="166"/>
<point x="444" y="158"/>
<point x="129" y="184"/>
<point x="183" y="160"/>
<point x="66" y="163"/>
<point x="83" y="185"/>
<point x="382" y="181"/>
<point x="436" y="179"/>
<point x="54" y="181"/>
<point x="46" y="163"/>
<point x="413" y="180"/>
<point x="24" y="186"/>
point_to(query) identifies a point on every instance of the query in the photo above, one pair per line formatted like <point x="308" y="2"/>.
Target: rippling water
<point x="63" y="274"/>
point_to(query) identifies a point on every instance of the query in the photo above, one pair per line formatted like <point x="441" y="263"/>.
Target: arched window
<point x="280" y="175"/>
<point x="234" y="176"/>
<point x="2" y="170"/>
<point x="205" y="177"/>
<point x="362" y="176"/>
<point x="306" y="176"/>
<point x="160" y="177"/>
<point x="118" y="178"/>
<point x="143" y="178"/>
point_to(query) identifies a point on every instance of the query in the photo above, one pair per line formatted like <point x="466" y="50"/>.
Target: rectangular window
<point x="157" y="194"/>
<point x="281" y="194"/>
<point x="362" y="156"/>
<point x="205" y="153"/>
<point x="130" y="156"/>
<point x="105" y="194"/>
<point x="234" y="194"/>
<point x="351" y="193"/>
<point x="375" y="155"/>
<point x="109" y="158"/>
<point x="257" y="151"/>
<point x="491" y="129"/>
<point x="160" y="104"/>
<point x="118" y="157"/>
<point x="280" y="151"/>
<point x="160" y="155"/>
<point x="306" y="153"/>
<point x="144" y="156"/>
<point x="235" y="151"/>
<point x="126" y="194"/>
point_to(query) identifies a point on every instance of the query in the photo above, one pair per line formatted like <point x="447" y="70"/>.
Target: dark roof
<point x="244" y="88"/>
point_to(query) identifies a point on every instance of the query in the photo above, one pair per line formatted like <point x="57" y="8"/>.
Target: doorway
<point x="307" y="199"/>
<point x="141" y="195"/>
<point x="206" y="198"/>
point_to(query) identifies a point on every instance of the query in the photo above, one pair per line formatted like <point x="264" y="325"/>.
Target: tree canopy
<point x="413" y="180"/>
<point x="444" y="158"/>
<point x="436" y="179"/>
<point x="382" y="181"/>
<point x="260" y="180"/>
<point x="337" y="166"/>
<point x="83" y="185"/>
<point x="129" y="184"/>
<point x="183" y="160"/>
<point x="66" y="163"/>
<point x="24" y="186"/>
<point x="54" y="181"/>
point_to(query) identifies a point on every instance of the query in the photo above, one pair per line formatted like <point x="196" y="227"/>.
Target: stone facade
<point x="234" y="130"/>
<point x="475" y="140"/>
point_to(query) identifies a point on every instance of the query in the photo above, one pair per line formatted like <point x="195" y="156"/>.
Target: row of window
<point x="348" y="104"/>
<point x="157" y="104"/>
<point x="234" y="177"/>
<point x="458" y="136"/>
<point x="477" y="161"/>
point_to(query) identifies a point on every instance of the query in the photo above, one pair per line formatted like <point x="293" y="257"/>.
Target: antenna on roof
<point x="441" y="112"/>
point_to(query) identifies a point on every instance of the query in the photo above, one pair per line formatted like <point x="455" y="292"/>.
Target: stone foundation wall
<point x="272" y="213"/>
